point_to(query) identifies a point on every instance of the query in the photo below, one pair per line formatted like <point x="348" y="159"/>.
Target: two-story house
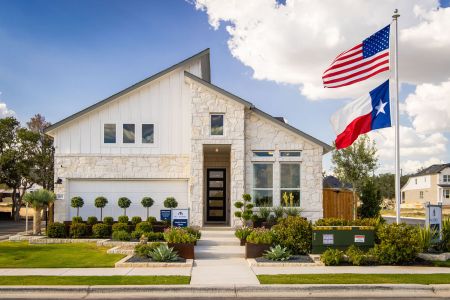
<point x="428" y="185"/>
<point x="176" y="134"/>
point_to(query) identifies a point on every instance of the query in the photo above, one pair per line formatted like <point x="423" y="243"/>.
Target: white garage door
<point x="135" y="190"/>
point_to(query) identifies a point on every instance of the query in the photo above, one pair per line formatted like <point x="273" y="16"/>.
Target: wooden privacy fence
<point x="337" y="203"/>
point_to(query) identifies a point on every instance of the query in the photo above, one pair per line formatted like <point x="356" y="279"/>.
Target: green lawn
<point x="355" y="278"/>
<point x="79" y="255"/>
<point x="93" y="280"/>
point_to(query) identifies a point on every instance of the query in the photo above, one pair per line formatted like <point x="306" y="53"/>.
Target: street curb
<point x="211" y="291"/>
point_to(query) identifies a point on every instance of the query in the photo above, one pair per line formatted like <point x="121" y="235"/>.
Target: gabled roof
<point x="325" y="146"/>
<point x="433" y="169"/>
<point x="206" y="74"/>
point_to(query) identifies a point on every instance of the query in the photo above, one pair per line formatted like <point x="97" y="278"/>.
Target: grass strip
<point x="93" y="280"/>
<point x="354" y="278"/>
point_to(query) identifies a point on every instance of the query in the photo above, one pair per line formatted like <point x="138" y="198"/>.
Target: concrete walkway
<point x="95" y="271"/>
<point x="220" y="260"/>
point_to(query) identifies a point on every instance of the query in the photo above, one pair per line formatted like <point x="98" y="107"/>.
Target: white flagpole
<point x="395" y="17"/>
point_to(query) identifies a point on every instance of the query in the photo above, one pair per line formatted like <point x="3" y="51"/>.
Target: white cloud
<point x="294" y="43"/>
<point x="5" y="111"/>
<point x="429" y="107"/>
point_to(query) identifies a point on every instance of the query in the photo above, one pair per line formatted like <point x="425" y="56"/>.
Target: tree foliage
<point x="370" y="199"/>
<point x="38" y="200"/>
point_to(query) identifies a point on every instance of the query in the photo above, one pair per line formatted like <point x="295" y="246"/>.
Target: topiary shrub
<point x="144" y="227"/>
<point x="92" y="220"/>
<point x="143" y="250"/>
<point x="151" y="220"/>
<point x="120" y="227"/>
<point x="399" y="244"/>
<point x="136" y="235"/>
<point x="77" y="219"/>
<point x="135" y="220"/>
<point x="100" y="202"/>
<point x="123" y="219"/>
<point x="101" y="231"/>
<point x="77" y="202"/>
<point x="245" y="212"/>
<point x="170" y="202"/>
<point x="124" y="203"/>
<point x="121" y="235"/>
<point x="78" y="230"/>
<point x="294" y="233"/>
<point x="332" y="257"/>
<point x="147" y="202"/>
<point x="108" y="220"/>
<point x="154" y="236"/>
<point x="56" y="230"/>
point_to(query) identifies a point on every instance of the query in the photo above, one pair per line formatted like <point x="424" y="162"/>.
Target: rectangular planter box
<point x="184" y="250"/>
<point x="342" y="237"/>
<point x="255" y="250"/>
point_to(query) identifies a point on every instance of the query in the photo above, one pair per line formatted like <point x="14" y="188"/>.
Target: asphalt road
<point x="410" y="221"/>
<point x="10" y="227"/>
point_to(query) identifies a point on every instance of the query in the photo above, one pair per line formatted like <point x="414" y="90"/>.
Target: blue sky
<point x="57" y="57"/>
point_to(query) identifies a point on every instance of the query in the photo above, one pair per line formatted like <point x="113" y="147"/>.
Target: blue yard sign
<point x="165" y="215"/>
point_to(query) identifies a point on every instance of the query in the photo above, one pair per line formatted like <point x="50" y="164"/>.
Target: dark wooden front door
<point x="216" y="194"/>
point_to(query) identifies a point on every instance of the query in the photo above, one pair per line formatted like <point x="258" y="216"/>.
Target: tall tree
<point x="355" y="164"/>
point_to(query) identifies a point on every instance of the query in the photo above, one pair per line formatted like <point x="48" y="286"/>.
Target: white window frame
<point x="103" y="134"/>
<point x="421" y="193"/>
<point x="292" y="189"/>
<point x="142" y="135"/>
<point x="137" y="135"/>
<point x="263" y="189"/>
<point x="445" y="178"/>
<point x="210" y="124"/>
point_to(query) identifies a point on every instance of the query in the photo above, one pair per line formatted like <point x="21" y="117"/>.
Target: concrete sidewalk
<point x="95" y="271"/>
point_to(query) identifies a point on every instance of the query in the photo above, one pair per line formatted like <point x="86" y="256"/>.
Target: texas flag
<point x="369" y="112"/>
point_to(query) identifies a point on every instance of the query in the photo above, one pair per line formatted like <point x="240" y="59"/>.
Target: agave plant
<point x="278" y="253"/>
<point x="163" y="253"/>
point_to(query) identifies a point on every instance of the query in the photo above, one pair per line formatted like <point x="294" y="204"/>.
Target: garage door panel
<point x="135" y="190"/>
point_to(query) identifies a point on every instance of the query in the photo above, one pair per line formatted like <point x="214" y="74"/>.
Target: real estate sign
<point x="165" y="214"/>
<point x="433" y="219"/>
<point x="180" y="217"/>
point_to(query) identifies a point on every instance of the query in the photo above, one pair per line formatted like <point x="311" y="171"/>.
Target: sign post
<point x="433" y="220"/>
<point x="180" y="217"/>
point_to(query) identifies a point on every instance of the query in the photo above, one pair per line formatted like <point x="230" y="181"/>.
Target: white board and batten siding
<point x="164" y="102"/>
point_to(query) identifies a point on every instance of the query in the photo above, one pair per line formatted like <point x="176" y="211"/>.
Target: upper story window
<point x="109" y="133"/>
<point x="446" y="178"/>
<point x="263" y="153"/>
<point x="128" y="133"/>
<point x="290" y="153"/>
<point x="217" y="124"/>
<point x="148" y="133"/>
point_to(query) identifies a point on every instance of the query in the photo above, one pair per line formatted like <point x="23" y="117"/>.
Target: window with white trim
<point x="109" y="133"/>
<point x="290" y="184"/>
<point x="148" y="133"/>
<point x="290" y="153"/>
<point x="446" y="194"/>
<point x="421" y="195"/>
<point x="129" y="135"/>
<point x="446" y="178"/>
<point x="263" y="184"/>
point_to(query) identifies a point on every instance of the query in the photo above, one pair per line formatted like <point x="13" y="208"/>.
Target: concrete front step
<point x="215" y="252"/>
<point x="219" y="242"/>
<point x="216" y="228"/>
<point x="217" y="234"/>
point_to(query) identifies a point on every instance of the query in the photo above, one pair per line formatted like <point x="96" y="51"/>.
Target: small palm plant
<point x="77" y="202"/>
<point x="124" y="203"/>
<point x="147" y="202"/>
<point x="163" y="253"/>
<point x="278" y="253"/>
<point x="100" y="202"/>
<point x="38" y="200"/>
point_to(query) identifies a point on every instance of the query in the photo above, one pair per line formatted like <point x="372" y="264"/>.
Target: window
<point x="446" y="178"/>
<point x="415" y="181"/>
<point x="147" y="134"/>
<point x="290" y="153"/>
<point x="446" y="194"/>
<point x="216" y="124"/>
<point x="128" y="133"/>
<point x="109" y="133"/>
<point x="421" y="195"/>
<point x="290" y="184"/>
<point x="263" y="153"/>
<point x="403" y="197"/>
<point x="263" y="184"/>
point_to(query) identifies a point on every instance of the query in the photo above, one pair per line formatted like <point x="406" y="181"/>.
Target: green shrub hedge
<point x="144" y="227"/>
<point x="121" y="235"/>
<point x="135" y="220"/>
<point x="294" y="233"/>
<point x="78" y="230"/>
<point x="260" y="236"/>
<point x="123" y="219"/>
<point x="332" y="257"/>
<point x="101" y="231"/>
<point x="56" y="230"/>
<point x="91" y="220"/>
<point x="108" y="220"/>
<point x="120" y="227"/>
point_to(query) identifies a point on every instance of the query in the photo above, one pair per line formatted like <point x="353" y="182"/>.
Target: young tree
<point x="100" y="202"/>
<point x="371" y="199"/>
<point x="124" y="203"/>
<point x="38" y="200"/>
<point x="147" y="202"/>
<point x="355" y="164"/>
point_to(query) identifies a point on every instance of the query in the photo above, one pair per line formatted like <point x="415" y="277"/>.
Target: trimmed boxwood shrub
<point x="144" y="227"/>
<point x="154" y="236"/>
<point x="136" y="235"/>
<point x="92" y="220"/>
<point x="123" y="219"/>
<point x="77" y="219"/>
<point x="101" y="230"/>
<point x="108" y="220"/>
<point x="135" y="220"/>
<point x="294" y="233"/>
<point x="170" y="202"/>
<point x="78" y="230"/>
<point x="120" y="227"/>
<point x="56" y="230"/>
<point x="151" y="220"/>
<point x="399" y="244"/>
<point x="121" y="235"/>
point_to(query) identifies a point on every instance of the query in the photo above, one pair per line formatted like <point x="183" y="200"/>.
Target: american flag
<point x="361" y="62"/>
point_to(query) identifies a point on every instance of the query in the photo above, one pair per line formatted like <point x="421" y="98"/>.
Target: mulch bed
<point x="138" y="259"/>
<point x="293" y="259"/>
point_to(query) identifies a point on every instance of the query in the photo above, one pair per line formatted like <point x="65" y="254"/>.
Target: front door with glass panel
<point x="216" y="195"/>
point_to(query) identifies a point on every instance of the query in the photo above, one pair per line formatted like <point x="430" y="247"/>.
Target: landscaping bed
<point x="134" y="261"/>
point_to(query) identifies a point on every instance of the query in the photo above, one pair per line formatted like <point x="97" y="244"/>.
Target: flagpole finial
<point x="395" y="15"/>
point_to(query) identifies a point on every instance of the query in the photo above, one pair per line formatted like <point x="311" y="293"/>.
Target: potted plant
<point x="245" y="212"/>
<point x="262" y="216"/>
<point x="77" y="202"/>
<point x="242" y="234"/>
<point x="258" y="242"/>
<point x="38" y="200"/>
<point x="181" y="241"/>
<point x="100" y="202"/>
<point x="124" y="203"/>
<point x="147" y="202"/>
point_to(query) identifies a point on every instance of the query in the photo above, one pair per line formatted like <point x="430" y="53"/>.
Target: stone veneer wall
<point x="114" y="167"/>
<point x="204" y="102"/>
<point x="262" y="134"/>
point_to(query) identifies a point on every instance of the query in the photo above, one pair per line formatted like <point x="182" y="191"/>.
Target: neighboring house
<point x="429" y="185"/>
<point x="176" y="134"/>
